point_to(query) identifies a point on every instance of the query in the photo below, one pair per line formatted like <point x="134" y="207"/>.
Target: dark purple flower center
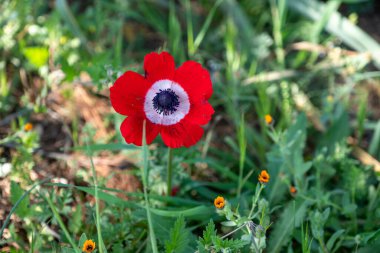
<point x="166" y="102"/>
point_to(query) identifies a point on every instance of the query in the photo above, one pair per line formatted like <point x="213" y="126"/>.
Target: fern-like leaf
<point x="179" y="237"/>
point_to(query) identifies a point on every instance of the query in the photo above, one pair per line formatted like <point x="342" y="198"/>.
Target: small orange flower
<point x="264" y="177"/>
<point x="28" y="127"/>
<point x="293" y="190"/>
<point x="219" y="202"/>
<point x="268" y="119"/>
<point x="88" y="246"/>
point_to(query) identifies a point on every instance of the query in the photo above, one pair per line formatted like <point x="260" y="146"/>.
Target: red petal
<point x="128" y="94"/>
<point x="159" y="66"/>
<point x="181" y="134"/>
<point x="132" y="129"/>
<point x="200" y="113"/>
<point x="195" y="80"/>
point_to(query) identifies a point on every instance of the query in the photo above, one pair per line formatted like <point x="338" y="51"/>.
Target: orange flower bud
<point x="268" y="119"/>
<point x="219" y="202"/>
<point x="88" y="246"/>
<point x="264" y="177"/>
<point x="28" y="127"/>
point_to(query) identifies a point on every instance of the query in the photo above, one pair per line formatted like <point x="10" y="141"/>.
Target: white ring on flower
<point x="159" y="118"/>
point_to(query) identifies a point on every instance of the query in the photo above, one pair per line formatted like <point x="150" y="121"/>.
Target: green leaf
<point x="16" y="193"/>
<point x="338" y="131"/>
<point x="196" y="213"/>
<point x="287" y="157"/>
<point x="211" y="240"/>
<point x="374" y="147"/>
<point x="292" y="216"/>
<point x="208" y="234"/>
<point x="109" y="147"/>
<point x="330" y="243"/>
<point x="318" y="221"/>
<point x="179" y="237"/>
<point x="76" y="220"/>
<point x="82" y="239"/>
<point x="228" y="245"/>
<point x="37" y="56"/>
<point x="370" y="237"/>
<point x="108" y="198"/>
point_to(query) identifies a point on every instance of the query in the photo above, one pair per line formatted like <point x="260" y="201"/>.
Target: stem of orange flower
<point x="97" y="211"/>
<point x="256" y="198"/>
<point x="170" y="171"/>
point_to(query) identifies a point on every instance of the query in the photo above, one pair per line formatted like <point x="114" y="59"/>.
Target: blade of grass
<point x="18" y="202"/>
<point x="190" y="34"/>
<point x="361" y="115"/>
<point x="374" y="147"/>
<point x="101" y="147"/>
<point x="65" y="12"/>
<point x="97" y="212"/>
<point x="196" y="212"/>
<point x="242" y="148"/>
<point x="175" y="40"/>
<point x="225" y="171"/>
<point x="232" y="9"/>
<point x="206" y="25"/>
<point x="367" y="75"/>
<point x="130" y="204"/>
<point x="150" y="15"/>
<point x="331" y="7"/>
<point x="278" y="11"/>
<point x="61" y="224"/>
<point x="341" y="27"/>
<point x="277" y="26"/>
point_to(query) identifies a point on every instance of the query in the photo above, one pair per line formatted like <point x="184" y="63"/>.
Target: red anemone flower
<point x="172" y="101"/>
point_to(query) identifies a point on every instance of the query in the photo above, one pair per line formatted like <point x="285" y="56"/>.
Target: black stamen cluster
<point x="166" y="102"/>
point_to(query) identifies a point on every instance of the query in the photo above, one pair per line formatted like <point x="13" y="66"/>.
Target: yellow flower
<point x="28" y="127"/>
<point x="88" y="246"/>
<point x="268" y="119"/>
<point x="219" y="202"/>
<point x="264" y="177"/>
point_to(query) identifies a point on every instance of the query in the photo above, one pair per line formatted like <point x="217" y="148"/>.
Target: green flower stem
<point x="97" y="211"/>
<point x="257" y="195"/>
<point x="170" y="171"/>
<point x="145" y="175"/>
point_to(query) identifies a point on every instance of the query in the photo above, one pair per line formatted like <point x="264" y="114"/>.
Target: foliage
<point x="179" y="237"/>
